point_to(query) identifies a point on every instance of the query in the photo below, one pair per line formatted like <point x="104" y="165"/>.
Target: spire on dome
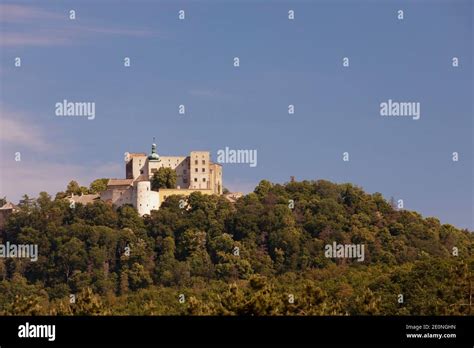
<point x="153" y="155"/>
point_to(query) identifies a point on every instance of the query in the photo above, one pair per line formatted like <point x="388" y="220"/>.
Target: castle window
<point x="141" y="171"/>
<point x="204" y="179"/>
<point x="196" y="162"/>
<point x="184" y="171"/>
<point x="203" y="170"/>
<point x="196" y="170"/>
<point x="195" y="179"/>
<point x="185" y="180"/>
<point x="203" y="162"/>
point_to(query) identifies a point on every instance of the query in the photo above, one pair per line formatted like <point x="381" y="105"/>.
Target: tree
<point x="43" y="200"/>
<point x="163" y="178"/>
<point x="98" y="213"/>
<point x="263" y="188"/>
<point x="71" y="256"/>
<point x="98" y="185"/>
<point x="166" y="261"/>
<point x="73" y="188"/>
<point x="88" y="303"/>
<point x="117" y="262"/>
<point x="26" y="202"/>
<point x="60" y="195"/>
<point x="191" y="241"/>
<point x="129" y="218"/>
<point x="138" y="277"/>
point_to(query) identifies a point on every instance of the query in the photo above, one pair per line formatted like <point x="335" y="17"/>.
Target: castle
<point x="194" y="173"/>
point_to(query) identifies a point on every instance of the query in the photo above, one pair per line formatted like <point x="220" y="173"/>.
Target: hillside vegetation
<point x="263" y="255"/>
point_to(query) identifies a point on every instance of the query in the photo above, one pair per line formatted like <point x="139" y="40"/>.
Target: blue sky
<point x="282" y="62"/>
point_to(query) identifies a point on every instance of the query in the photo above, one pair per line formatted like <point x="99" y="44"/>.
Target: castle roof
<point x="233" y="196"/>
<point x="142" y="177"/>
<point x="9" y="206"/>
<point x="84" y="199"/>
<point x="120" y="182"/>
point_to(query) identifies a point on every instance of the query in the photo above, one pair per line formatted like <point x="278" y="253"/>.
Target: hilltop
<point x="263" y="254"/>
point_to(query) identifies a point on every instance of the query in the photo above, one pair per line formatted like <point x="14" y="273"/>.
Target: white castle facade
<point x="195" y="172"/>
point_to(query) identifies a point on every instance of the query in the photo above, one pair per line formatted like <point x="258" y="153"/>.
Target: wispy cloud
<point x="16" y="131"/>
<point x="34" y="173"/>
<point x="33" y="39"/>
<point x="47" y="28"/>
<point x="10" y="13"/>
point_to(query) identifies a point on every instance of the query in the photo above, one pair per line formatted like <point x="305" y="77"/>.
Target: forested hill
<point x="263" y="255"/>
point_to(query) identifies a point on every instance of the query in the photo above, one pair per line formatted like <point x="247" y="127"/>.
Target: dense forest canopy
<point x="263" y="255"/>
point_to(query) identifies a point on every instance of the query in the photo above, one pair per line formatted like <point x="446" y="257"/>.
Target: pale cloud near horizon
<point x="17" y="131"/>
<point x="238" y="185"/>
<point x="33" y="173"/>
<point x="59" y="32"/>
<point x="32" y="177"/>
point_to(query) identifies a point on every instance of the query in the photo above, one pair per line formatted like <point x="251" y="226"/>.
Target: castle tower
<point x="144" y="199"/>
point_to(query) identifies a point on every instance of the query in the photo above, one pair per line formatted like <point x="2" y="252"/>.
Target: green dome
<point x="153" y="155"/>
